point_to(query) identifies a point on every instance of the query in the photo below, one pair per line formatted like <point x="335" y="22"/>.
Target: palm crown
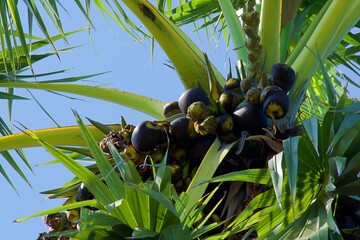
<point x="305" y="171"/>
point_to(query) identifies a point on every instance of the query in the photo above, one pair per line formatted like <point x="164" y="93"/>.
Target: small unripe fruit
<point x="171" y="108"/>
<point x="230" y="100"/>
<point x="247" y="83"/>
<point x="233" y="85"/>
<point x="198" y="111"/>
<point x="253" y="95"/>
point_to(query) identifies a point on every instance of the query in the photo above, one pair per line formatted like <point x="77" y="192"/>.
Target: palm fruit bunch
<point x="266" y="93"/>
<point x="194" y="121"/>
<point x="245" y="104"/>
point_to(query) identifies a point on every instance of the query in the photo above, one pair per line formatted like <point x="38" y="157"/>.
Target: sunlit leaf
<point x="277" y="175"/>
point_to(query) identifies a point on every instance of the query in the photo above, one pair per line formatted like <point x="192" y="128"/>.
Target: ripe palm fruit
<point x="83" y="193"/>
<point x="276" y="104"/>
<point x="171" y="108"/>
<point x="266" y="91"/>
<point x="146" y="136"/>
<point x="182" y="129"/>
<point x="229" y="100"/>
<point x="192" y="95"/>
<point x="282" y="75"/>
<point x="249" y="117"/>
<point x="198" y="111"/>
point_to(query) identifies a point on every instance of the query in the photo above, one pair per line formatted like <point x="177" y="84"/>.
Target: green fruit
<point x="206" y="127"/>
<point x="171" y="108"/>
<point x="249" y="117"/>
<point x="182" y="129"/>
<point x="198" y="111"/>
<point x="190" y="96"/>
<point x="146" y="136"/>
<point x="282" y="75"/>
<point x="276" y="104"/>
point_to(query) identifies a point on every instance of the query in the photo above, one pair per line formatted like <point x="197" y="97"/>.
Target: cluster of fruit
<point x="190" y="127"/>
<point x="193" y="122"/>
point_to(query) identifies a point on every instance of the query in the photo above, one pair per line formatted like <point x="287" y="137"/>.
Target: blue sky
<point x="131" y="69"/>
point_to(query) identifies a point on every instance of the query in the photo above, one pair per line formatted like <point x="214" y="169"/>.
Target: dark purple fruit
<point x="249" y="117"/>
<point x="146" y="136"/>
<point x="276" y="104"/>
<point x="192" y="95"/>
<point x="171" y="108"/>
<point x="182" y="129"/>
<point x="83" y="193"/>
<point x="282" y="75"/>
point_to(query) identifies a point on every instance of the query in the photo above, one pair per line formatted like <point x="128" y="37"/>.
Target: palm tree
<point x="300" y="183"/>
